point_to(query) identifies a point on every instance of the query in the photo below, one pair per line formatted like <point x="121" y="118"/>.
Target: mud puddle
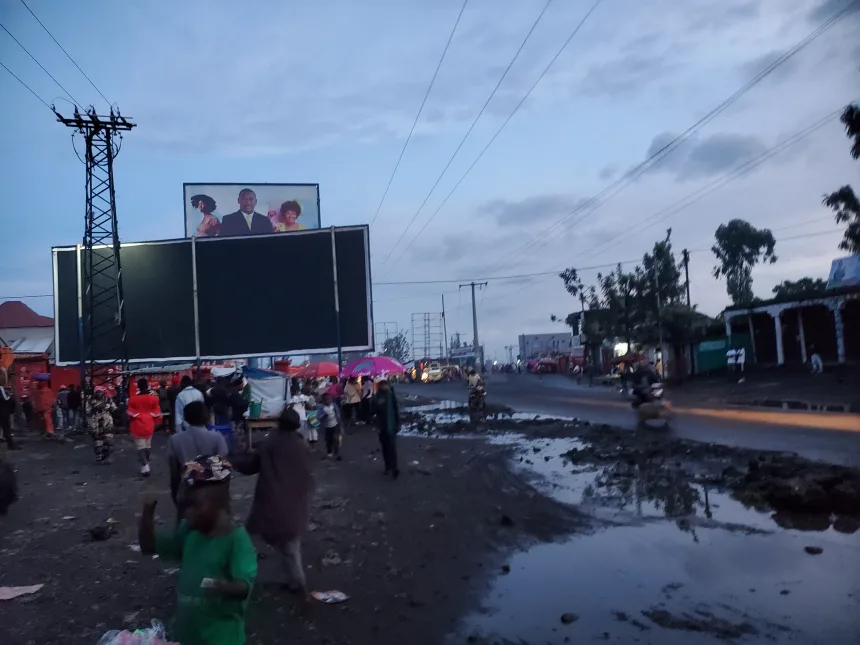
<point x="652" y="583"/>
<point x="691" y="542"/>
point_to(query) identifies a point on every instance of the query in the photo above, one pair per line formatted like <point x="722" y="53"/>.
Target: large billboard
<point x="222" y="298"/>
<point x="844" y="272"/>
<point x="232" y="210"/>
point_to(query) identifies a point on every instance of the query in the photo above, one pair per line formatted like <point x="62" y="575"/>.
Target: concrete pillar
<point x="777" y="328"/>
<point x="802" y="335"/>
<point x="728" y="327"/>
<point x="840" y="332"/>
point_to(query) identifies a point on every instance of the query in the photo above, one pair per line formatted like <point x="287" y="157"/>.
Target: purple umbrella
<point x="373" y="366"/>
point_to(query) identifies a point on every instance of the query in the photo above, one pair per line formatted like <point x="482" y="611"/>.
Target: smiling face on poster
<point x="230" y="210"/>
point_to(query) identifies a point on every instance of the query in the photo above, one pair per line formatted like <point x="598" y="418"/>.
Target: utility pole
<point x="101" y="310"/>
<point x="510" y="349"/>
<point x="479" y="355"/>
<point x="685" y="254"/>
<point x="445" y="330"/>
<point x="660" y="322"/>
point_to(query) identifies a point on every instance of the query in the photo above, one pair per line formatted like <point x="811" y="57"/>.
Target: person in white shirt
<point x="366" y="397"/>
<point x="329" y="414"/>
<point x="731" y="358"/>
<point x="188" y="394"/>
<point x="741" y="357"/>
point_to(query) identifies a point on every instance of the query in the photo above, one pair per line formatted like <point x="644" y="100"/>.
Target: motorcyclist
<point x="643" y="377"/>
<point x="474" y="379"/>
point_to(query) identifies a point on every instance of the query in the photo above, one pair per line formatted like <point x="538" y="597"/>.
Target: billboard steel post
<point x="194" y="296"/>
<point x="336" y="303"/>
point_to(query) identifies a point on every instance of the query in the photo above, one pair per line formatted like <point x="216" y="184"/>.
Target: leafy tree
<point x="625" y="304"/>
<point x="739" y="247"/>
<point x="844" y="202"/>
<point x="396" y="347"/>
<point x="800" y="288"/>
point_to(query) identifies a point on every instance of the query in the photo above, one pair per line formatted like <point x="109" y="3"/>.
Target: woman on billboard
<point x="210" y="226"/>
<point x="290" y="212"/>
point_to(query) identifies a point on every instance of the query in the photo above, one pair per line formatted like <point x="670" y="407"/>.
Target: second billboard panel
<point x="236" y="210"/>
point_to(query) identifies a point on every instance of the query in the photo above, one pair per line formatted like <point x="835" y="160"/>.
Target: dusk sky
<point x="326" y="92"/>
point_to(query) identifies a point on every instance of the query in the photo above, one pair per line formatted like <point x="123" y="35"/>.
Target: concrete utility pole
<point x="445" y="330"/>
<point x="510" y="349"/>
<point x="660" y="323"/>
<point x="479" y="355"/>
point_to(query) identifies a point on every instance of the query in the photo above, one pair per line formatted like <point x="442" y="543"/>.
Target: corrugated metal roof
<point x="32" y="345"/>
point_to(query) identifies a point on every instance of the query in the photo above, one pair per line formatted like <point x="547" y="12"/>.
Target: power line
<point x="30" y="89"/>
<point x="471" y="127"/>
<point x="38" y="63"/>
<point x="719" y="182"/>
<point x="420" y="109"/>
<point x="628" y="178"/>
<point x="501" y="127"/>
<point x="69" y="56"/>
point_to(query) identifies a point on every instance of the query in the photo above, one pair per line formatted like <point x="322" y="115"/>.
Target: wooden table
<point x="258" y="424"/>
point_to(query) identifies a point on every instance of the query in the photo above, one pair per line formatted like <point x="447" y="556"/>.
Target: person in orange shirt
<point x="45" y="405"/>
<point x="143" y="410"/>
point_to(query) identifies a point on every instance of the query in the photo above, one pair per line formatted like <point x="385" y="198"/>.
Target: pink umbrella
<point x="373" y="366"/>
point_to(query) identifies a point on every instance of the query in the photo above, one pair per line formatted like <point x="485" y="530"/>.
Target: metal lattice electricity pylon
<point x="428" y="337"/>
<point x="101" y="315"/>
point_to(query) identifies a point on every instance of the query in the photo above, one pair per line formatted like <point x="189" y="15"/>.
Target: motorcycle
<point x="655" y="407"/>
<point x="477" y="403"/>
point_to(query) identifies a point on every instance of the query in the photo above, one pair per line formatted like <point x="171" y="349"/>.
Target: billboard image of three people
<point x="230" y="210"/>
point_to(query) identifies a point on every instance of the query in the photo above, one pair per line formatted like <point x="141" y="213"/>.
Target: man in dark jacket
<point x="74" y="401"/>
<point x="386" y="410"/>
<point x="245" y="221"/>
<point x="281" y="508"/>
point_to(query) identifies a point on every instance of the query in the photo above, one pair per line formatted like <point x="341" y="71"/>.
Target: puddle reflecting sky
<point x="725" y="581"/>
<point x="723" y="570"/>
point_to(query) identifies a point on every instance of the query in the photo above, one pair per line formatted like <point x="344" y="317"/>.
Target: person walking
<point x="7" y="407"/>
<point x="63" y="407"/>
<point x="386" y="411"/>
<point x="99" y="413"/>
<point x="187" y="394"/>
<point x="186" y="446"/>
<point x="143" y="409"/>
<point x="164" y="404"/>
<point x="366" y="398"/>
<point x="218" y="561"/>
<point x="329" y="416"/>
<point x="74" y="402"/>
<point x="280" y="511"/>
<point x="44" y="406"/>
<point x="351" y="400"/>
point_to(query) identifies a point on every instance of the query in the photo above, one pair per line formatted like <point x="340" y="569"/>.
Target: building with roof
<point x="25" y="331"/>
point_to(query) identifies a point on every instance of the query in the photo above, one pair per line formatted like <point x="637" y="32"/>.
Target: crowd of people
<point x="203" y="420"/>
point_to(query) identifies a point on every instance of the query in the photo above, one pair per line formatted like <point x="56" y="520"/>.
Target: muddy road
<point x="519" y="530"/>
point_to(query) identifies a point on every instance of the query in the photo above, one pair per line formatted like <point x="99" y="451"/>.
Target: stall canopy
<point x="268" y="388"/>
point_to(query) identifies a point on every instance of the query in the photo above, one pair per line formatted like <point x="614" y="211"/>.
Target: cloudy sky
<point x="326" y="92"/>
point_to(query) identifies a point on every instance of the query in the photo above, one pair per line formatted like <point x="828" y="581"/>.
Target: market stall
<point x="268" y="393"/>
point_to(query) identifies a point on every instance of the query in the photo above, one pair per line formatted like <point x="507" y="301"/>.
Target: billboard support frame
<point x="194" y="298"/>
<point x="336" y="301"/>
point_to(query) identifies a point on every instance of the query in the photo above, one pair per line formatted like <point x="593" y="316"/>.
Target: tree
<point x="800" y="288"/>
<point x="625" y="304"/>
<point x="739" y="247"/>
<point x="844" y="202"/>
<point x="396" y="347"/>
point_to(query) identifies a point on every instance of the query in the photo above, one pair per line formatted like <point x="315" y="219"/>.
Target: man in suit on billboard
<point x="245" y="221"/>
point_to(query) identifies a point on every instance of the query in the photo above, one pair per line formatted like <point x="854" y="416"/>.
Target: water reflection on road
<point x="669" y="561"/>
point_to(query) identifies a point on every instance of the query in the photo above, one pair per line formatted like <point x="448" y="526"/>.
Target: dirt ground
<point x="415" y="555"/>
<point x="412" y="554"/>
